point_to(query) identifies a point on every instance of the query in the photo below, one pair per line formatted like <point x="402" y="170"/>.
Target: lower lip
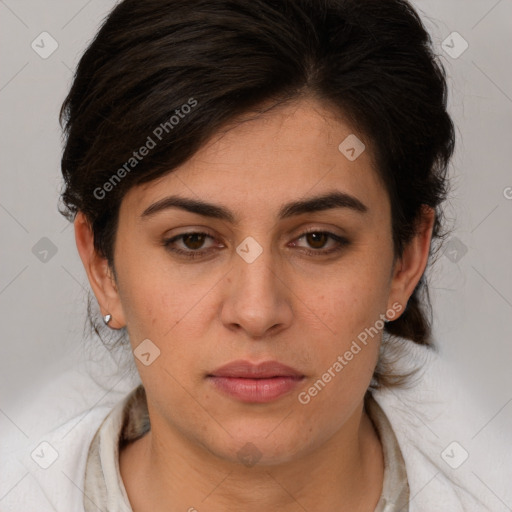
<point x="256" y="390"/>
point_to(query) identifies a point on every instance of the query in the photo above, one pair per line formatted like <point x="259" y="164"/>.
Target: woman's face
<point x="256" y="288"/>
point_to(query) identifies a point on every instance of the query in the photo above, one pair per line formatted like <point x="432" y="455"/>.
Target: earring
<point x="107" y="319"/>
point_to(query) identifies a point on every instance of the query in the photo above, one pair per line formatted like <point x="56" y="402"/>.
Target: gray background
<point x="43" y="303"/>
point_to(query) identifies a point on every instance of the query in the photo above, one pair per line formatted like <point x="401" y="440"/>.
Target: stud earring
<point x="107" y="319"/>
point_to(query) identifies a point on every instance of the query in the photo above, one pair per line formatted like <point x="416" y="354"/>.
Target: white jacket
<point x="457" y="459"/>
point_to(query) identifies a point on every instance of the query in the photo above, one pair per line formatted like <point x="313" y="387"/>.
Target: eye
<point x="192" y="241"/>
<point x="317" y="240"/>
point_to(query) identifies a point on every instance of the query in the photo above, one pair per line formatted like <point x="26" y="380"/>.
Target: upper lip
<point x="248" y="370"/>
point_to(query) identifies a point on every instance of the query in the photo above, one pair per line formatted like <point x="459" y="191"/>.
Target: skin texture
<point x="302" y="310"/>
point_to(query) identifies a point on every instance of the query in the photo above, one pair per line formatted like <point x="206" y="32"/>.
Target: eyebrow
<point x="331" y="200"/>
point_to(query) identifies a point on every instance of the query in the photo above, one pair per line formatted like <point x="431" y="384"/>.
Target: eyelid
<point x="180" y="236"/>
<point x="318" y="229"/>
<point x="301" y="232"/>
<point x="340" y="240"/>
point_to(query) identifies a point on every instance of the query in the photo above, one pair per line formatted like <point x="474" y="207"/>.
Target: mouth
<point x="255" y="383"/>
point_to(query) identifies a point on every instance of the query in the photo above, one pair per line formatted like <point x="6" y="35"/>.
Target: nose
<point x="257" y="297"/>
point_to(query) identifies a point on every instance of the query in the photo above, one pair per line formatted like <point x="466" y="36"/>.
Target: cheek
<point x="346" y="352"/>
<point x="346" y="357"/>
<point x="174" y="313"/>
<point x="347" y="339"/>
<point x="347" y="302"/>
<point x="155" y="294"/>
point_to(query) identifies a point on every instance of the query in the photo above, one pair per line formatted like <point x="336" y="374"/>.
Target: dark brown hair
<point x="371" y="60"/>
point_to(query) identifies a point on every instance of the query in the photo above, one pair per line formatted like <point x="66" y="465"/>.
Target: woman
<point x="256" y="189"/>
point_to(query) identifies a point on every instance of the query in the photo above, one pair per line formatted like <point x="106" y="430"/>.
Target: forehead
<point x="296" y="151"/>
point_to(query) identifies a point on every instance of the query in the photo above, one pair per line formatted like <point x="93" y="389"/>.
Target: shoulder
<point x="45" y="471"/>
<point x="451" y="460"/>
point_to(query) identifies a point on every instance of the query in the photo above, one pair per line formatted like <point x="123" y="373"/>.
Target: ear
<point x="99" y="273"/>
<point x="410" y="267"/>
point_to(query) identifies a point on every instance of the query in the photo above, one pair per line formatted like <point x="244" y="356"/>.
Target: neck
<point x="165" y="469"/>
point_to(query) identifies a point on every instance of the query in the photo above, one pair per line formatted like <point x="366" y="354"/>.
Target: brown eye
<point x="317" y="240"/>
<point x="191" y="244"/>
<point x="194" y="241"/>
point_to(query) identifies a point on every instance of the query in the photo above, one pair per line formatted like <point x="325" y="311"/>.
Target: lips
<point x="255" y="383"/>
<point x="265" y="370"/>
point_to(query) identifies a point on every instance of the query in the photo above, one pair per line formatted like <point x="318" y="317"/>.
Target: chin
<point x="260" y="447"/>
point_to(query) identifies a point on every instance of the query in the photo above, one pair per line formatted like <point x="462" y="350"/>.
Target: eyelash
<point x="341" y="241"/>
